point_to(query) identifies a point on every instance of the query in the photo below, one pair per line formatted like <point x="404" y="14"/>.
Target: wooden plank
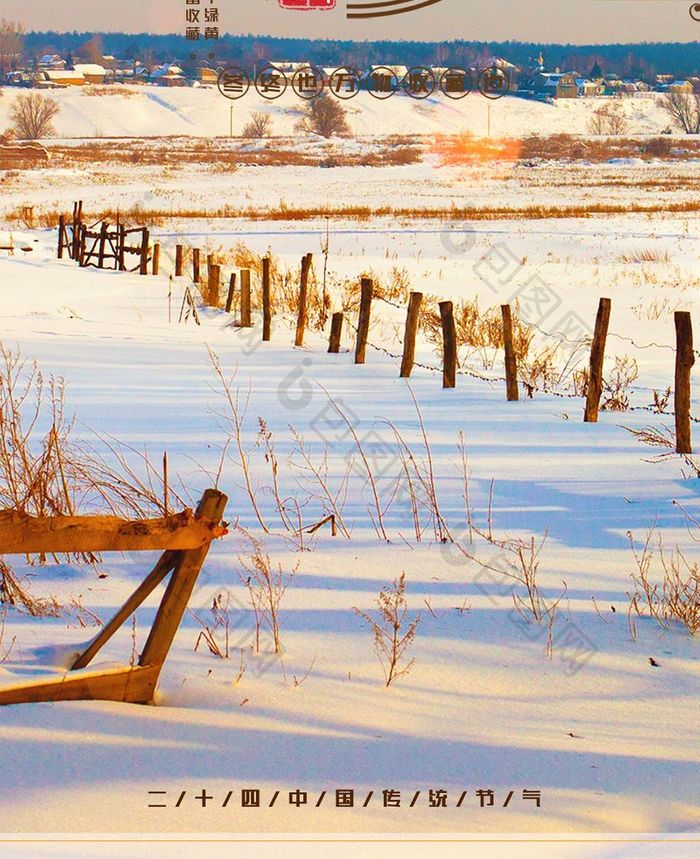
<point x="165" y="565"/>
<point x="22" y="534"/>
<point x="595" y="377"/>
<point x="510" y="362"/>
<point x="135" y="685"/>
<point x="180" y="586"/>
<point x="409" y="339"/>
<point x="685" y="359"/>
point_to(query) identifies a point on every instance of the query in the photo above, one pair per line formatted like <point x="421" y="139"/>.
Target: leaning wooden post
<point x="246" y="321"/>
<point x="409" y="338"/>
<point x="303" y="288"/>
<point x="336" y="332"/>
<point x="367" y="291"/>
<point x="449" y="345"/>
<point x="595" y="375"/>
<point x="61" y="235"/>
<point x="266" y="297"/>
<point x="511" y="363"/>
<point x="144" y="252"/>
<point x="178" y="260"/>
<point x="195" y="266"/>
<point x="156" y="258"/>
<point x="685" y="358"/>
<point x="180" y="587"/>
<point x="231" y="290"/>
<point x="214" y="285"/>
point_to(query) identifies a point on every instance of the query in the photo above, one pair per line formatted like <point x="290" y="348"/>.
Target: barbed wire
<point x="564" y="395"/>
<point x="560" y="335"/>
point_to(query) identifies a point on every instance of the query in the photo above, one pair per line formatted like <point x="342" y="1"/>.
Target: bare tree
<point x="684" y="110"/>
<point x="93" y="49"/>
<point x="325" y="116"/>
<point x="259" y="125"/>
<point x="11" y="44"/>
<point x="32" y="116"/>
<point x="608" y="119"/>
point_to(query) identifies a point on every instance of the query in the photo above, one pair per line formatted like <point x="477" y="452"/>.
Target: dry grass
<point x="393" y="630"/>
<point x="675" y="598"/>
<point x="113" y="89"/>
<point x="158" y="217"/>
<point x="44" y="472"/>
<point x="645" y="255"/>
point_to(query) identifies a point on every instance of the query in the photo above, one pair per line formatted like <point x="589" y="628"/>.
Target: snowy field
<point x="158" y="112"/>
<point x="607" y="736"/>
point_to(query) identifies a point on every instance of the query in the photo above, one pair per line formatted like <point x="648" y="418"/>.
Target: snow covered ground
<point x="607" y="736"/>
<point x="158" y="112"/>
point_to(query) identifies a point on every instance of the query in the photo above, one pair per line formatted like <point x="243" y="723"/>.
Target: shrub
<point x="325" y="116"/>
<point x="259" y="125"/>
<point x="607" y="119"/>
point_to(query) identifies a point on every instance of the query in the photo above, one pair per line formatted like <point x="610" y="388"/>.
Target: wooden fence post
<point x="301" y="315"/>
<point x="77" y="228"/>
<point x="121" y="244"/>
<point x="61" y="235"/>
<point x="81" y="243"/>
<point x="195" y="266"/>
<point x="367" y="287"/>
<point x="595" y="376"/>
<point x="449" y="345"/>
<point x="231" y="289"/>
<point x="102" y="245"/>
<point x="144" y="252"/>
<point x="178" y="260"/>
<point x="156" y="258"/>
<point x="685" y="358"/>
<point x="409" y="338"/>
<point x="266" y="297"/>
<point x="246" y="321"/>
<point x="214" y="285"/>
<point x="511" y="363"/>
<point x="336" y="332"/>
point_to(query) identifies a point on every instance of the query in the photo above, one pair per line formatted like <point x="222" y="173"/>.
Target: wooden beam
<point x="180" y="586"/>
<point x="135" y="685"/>
<point x="21" y="534"/>
<point x="165" y="565"/>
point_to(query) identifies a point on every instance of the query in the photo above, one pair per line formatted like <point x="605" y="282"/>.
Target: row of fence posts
<point x="685" y="356"/>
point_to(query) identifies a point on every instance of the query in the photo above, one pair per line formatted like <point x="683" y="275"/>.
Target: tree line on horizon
<point x="641" y="60"/>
